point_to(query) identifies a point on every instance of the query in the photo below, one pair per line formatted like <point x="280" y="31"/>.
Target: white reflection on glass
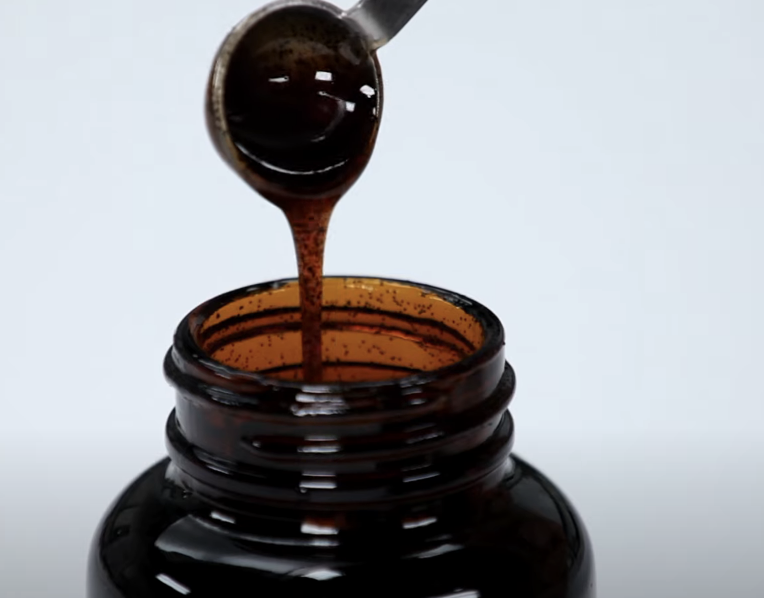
<point x="350" y="106"/>
<point x="323" y="76"/>
<point x="282" y="79"/>
<point x="177" y="586"/>
<point x="322" y="574"/>
<point x="320" y="450"/>
<point x="191" y="538"/>
<point x="421" y="476"/>
<point x="368" y="91"/>
<point x="318" y="529"/>
<point x="329" y="445"/>
<point x="318" y="485"/>
<point x="421" y="522"/>
<point x="437" y="551"/>
<point x="316" y="404"/>
<point x="221" y="517"/>
<point x="426" y="436"/>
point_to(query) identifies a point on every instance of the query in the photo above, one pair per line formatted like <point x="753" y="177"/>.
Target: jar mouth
<point x="377" y="333"/>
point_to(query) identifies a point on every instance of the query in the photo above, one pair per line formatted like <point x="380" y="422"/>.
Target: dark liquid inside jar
<point x="394" y="477"/>
<point x="372" y="330"/>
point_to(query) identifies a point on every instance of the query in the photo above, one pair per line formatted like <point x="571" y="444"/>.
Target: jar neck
<point x="240" y="436"/>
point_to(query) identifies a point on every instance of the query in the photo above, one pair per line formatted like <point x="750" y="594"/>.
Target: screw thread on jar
<point x="413" y="402"/>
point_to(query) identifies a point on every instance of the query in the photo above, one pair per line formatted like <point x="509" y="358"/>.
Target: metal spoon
<point x="381" y="20"/>
<point x="268" y="158"/>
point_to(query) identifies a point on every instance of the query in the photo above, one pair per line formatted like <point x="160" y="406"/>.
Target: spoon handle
<point x="381" y="20"/>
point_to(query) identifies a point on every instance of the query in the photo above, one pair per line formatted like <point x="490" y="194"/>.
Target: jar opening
<point x="373" y="330"/>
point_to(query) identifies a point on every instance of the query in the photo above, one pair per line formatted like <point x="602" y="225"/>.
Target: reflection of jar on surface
<point x="391" y="478"/>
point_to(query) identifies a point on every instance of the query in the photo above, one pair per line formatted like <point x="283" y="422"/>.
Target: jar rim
<point x="188" y="349"/>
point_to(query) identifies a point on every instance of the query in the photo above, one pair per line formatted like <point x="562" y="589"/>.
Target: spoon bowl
<point x="294" y="101"/>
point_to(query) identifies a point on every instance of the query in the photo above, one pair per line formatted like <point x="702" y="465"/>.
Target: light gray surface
<point x="592" y="171"/>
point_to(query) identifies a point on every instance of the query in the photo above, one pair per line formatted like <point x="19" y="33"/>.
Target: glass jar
<point x="393" y="477"/>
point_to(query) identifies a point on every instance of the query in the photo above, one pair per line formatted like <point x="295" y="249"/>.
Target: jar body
<point x="392" y="477"/>
<point x="520" y="537"/>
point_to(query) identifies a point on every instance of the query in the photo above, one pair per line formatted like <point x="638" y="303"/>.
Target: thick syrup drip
<point x="302" y="100"/>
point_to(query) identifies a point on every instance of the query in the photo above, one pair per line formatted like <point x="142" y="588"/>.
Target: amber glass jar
<point x="393" y="477"/>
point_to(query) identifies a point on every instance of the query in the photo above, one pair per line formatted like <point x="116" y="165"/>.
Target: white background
<point x="593" y="171"/>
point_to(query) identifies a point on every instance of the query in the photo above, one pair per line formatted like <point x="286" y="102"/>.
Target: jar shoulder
<point x="521" y="538"/>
